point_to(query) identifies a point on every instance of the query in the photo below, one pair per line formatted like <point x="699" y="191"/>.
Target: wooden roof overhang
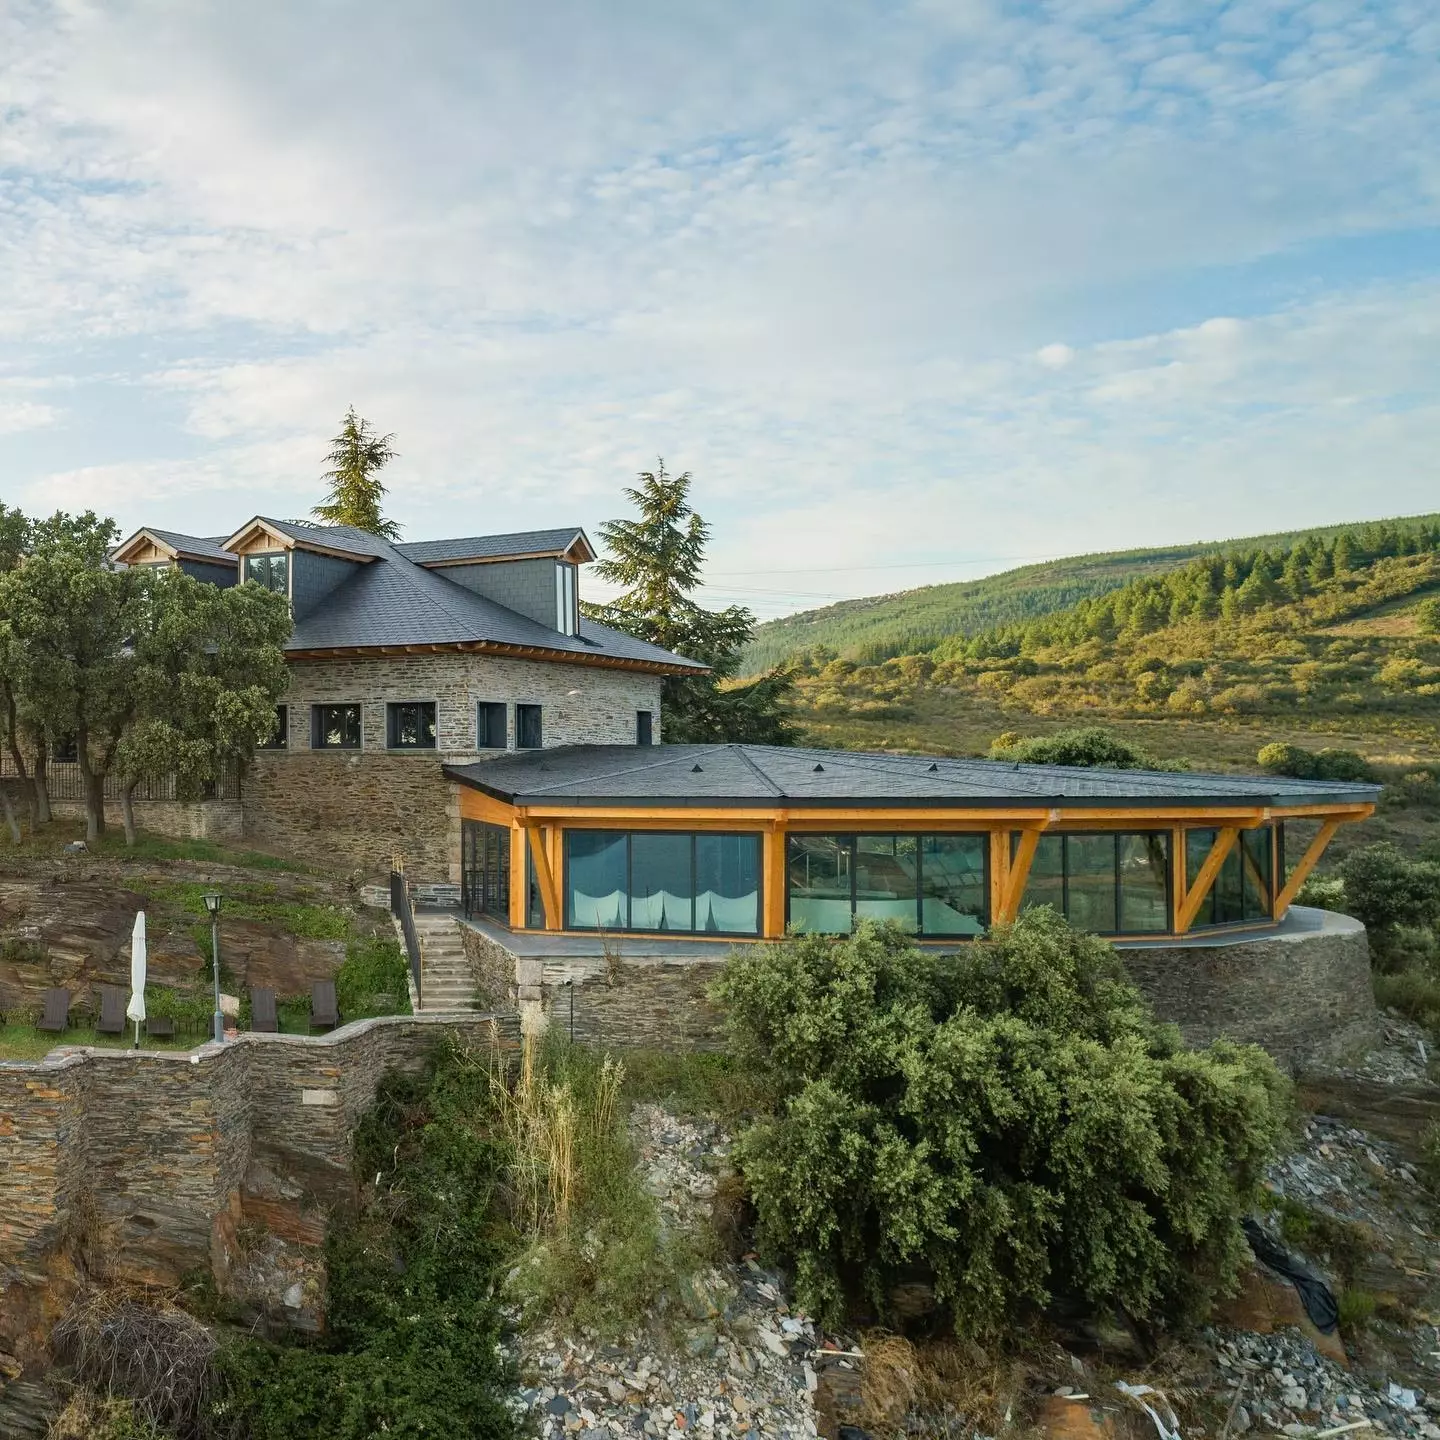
<point x="577" y="552"/>
<point x="495" y="647"/>
<point x="129" y="550"/>
<point x="243" y="541"/>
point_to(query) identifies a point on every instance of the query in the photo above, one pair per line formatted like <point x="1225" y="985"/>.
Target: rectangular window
<point x="662" y="881"/>
<point x="279" y="737"/>
<point x="270" y="571"/>
<point x="933" y="885"/>
<point x="1108" y="883"/>
<point x="644" y="727"/>
<point x="1243" y="890"/>
<point x="491" y="731"/>
<point x="566" y="610"/>
<point x="334" y="727"/>
<point x="485" y="870"/>
<point x="410" y="725"/>
<point x="527" y="727"/>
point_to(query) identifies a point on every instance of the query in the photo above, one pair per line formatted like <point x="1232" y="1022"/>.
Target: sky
<point x="916" y="291"/>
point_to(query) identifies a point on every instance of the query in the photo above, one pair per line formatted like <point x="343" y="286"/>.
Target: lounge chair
<point x="324" y="1008"/>
<point x="55" y="1014"/>
<point x="262" y="1011"/>
<point x="112" y="1011"/>
<point x="160" y="1027"/>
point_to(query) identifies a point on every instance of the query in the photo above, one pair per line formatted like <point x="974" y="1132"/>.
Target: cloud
<point x="819" y="255"/>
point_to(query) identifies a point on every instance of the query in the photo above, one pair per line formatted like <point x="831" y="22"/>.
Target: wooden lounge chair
<point x="262" y="1011"/>
<point x="112" y="1011"/>
<point x="160" y="1027"/>
<point x="55" y="1014"/>
<point x="324" y="1008"/>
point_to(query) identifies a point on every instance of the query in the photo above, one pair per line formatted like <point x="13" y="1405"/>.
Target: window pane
<point x="953" y="891"/>
<point x="412" y="726"/>
<point x="1090" y="887"/>
<point x="661" y="887"/>
<point x="1144" y="887"/>
<point x="886" y="884"/>
<point x="490" y="725"/>
<point x="1046" y="883"/>
<point x="727" y="884"/>
<point x="527" y="727"/>
<point x="1197" y="847"/>
<point x="1255" y="873"/>
<point x="819" y="876"/>
<point x="596" y="881"/>
<point x="336" y="727"/>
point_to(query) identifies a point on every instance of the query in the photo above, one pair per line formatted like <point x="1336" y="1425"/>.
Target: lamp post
<point x="212" y="904"/>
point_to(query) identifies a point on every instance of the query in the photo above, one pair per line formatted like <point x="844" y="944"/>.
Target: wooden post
<point x="1019" y="873"/>
<point x="549" y="895"/>
<point x="519" y="880"/>
<point x="774" y="879"/>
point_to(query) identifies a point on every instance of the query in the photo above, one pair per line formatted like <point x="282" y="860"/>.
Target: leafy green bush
<point x="1089" y="746"/>
<point x="1427" y="616"/>
<point x="1282" y="758"/>
<point x="1412" y="993"/>
<point x="1010" y="1123"/>
<point x="1385" y="890"/>
<point x="374" y="979"/>
<point x="414" y="1329"/>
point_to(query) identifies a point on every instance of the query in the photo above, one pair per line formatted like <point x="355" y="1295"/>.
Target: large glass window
<point x="662" y="881"/>
<point x="485" y="870"/>
<point x="271" y="571"/>
<point x="1110" y="884"/>
<point x="927" y="884"/>
<point x="410" y="725"/>
<point x="335" y="727"/>
<point x="490" y="725"/>
<point x="1244" y="888"/>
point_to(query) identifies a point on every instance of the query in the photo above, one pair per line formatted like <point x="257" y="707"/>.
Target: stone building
<point x="407" y="657"/>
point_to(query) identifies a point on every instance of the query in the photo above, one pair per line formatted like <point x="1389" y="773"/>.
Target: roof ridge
<point x="744" y="754"/>
<point x="624" y="770"/>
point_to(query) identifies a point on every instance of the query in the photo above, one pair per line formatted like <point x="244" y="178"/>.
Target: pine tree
<point x="659" y="558"/>
<point x="1342" y="557"/>
<point x="357" y="455"/>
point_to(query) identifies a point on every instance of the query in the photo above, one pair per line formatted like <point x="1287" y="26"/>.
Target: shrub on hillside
<point x="1009" y="1123"/>
<point x="1385" y="891"/>
<point x="1282" y="758"/>
<point x="1427" y="616"/>
<point x="1088" y="746"/>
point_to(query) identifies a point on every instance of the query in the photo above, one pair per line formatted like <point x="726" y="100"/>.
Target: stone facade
<point x="144" y="1168"/>
<point x="1304" y="994"/>
<point x="366" y="806"/>
<point x="219" y="820"/>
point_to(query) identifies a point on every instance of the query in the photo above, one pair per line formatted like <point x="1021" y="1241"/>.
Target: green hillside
<point x="1329" y="639"/>
<point x="914" y="621"/>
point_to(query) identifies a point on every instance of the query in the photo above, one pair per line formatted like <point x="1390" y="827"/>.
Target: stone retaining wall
<point x="1305" y="996"/>
<point x="149" y="1167"/>
<point x="220" y="820"/>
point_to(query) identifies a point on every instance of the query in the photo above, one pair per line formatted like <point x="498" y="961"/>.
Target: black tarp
<point x="1316" y="1296"/>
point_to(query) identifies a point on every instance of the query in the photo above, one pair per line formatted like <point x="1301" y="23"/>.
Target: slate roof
<point x="738" y="775"/>
<point x="398" y="602"/>
<point x="492" y="547"/>
<point x="198" y="547"/>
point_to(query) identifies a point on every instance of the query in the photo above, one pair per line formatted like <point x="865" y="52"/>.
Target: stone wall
<point x="1304" y="995"/>
<point x="363" y="807"/>
<point x="147" y="1168"/>
<point x="219" y="820"/>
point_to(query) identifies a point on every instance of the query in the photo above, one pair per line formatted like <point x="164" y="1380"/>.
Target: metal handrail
<point x="401" y="909"/>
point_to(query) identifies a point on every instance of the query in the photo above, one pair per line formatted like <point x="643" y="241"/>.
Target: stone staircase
<point x="445" y="979"/>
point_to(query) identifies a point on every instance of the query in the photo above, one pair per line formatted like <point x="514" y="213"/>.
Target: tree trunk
<point x="94" y="790"/>
<point x="42" y="781"/>
<point x="10" y="817"/>
<point x="127" y="810"/>
<point x="17" y="758"/>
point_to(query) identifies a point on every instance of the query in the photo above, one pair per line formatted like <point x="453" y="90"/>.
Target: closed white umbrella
<point x="135" y="1010"/>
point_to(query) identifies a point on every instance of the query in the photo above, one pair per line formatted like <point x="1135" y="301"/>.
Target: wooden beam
<point x="775" y="880"/>
<point x="999" y="870"/>
<point x="1306" y="864"/>
<point x="1018" y="872"/>
<point x="549" y="895"/>
<point x="1195" y="895"/>
<point x="519" y="879"/>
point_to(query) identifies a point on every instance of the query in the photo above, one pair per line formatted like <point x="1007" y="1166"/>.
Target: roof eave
<point x="492" y="647"/>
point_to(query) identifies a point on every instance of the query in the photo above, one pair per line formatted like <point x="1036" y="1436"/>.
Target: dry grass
<point x="137" y="1346"/>
<point x="959" y="1388"/>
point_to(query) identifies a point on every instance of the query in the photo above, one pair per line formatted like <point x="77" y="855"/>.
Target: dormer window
<point x="271" y="571"/>
<point x="567" y="608"/>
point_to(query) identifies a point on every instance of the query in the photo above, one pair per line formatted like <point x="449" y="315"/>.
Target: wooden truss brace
<point x="549" y="893"/>
<point x="1307" y="863"/>
<point x="1017" y="872"/>
<point x="1195" y="895"/>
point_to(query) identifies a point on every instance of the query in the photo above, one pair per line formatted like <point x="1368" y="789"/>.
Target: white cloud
<point x="818" y="255"/>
